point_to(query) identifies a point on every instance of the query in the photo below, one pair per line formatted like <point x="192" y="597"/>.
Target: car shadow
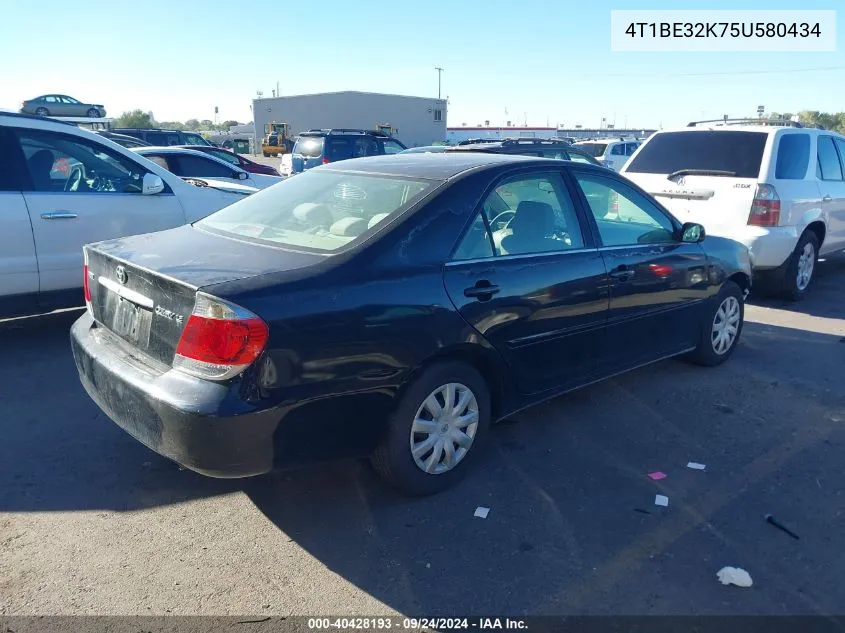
<point x="828" y="283"/>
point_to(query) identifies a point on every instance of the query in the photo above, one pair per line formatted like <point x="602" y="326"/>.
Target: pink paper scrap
<point x="657" y="476"/>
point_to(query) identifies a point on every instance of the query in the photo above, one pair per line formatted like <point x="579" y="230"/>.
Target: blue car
<point x="318" y="147"/>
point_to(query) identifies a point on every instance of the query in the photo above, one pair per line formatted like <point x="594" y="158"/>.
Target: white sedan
<point x="189" y="163"/>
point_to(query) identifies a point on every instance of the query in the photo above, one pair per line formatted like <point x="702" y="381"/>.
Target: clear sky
<point x="547" y="60"/>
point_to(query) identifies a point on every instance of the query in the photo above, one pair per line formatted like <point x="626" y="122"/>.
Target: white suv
<point x="61" y="187"/>
<point x="613" y="154"/>
<point x="779" y="189"/>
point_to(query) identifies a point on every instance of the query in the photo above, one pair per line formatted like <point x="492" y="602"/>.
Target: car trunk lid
<point x="143" y="288"/>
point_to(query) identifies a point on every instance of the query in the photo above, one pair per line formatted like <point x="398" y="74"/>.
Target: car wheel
<point x="42" y="112"/>
<point x="94" y="113"/>
<point x="802" y="264"/>
<point x="266" y="155"/>
<point x="438" y="427"/>
<point x="722" y="327"/>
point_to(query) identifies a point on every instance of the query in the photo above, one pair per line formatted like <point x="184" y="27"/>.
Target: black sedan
<point x="394" y="307"/>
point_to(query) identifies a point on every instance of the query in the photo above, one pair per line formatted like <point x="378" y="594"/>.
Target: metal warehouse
<point x="416" y="120"/>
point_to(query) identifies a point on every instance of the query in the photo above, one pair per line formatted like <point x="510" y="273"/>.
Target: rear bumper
<point x="768" y="247"/>
<point x="198" y="424"/>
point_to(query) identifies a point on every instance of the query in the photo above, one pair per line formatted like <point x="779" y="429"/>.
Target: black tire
<point x="42" y="112"/>
<point x="94" y="113"/>
<point x="791" y="290"/>
<point x="266" y="155"/>
<point x="705" y="353"/>
<point x="393" y="459"/>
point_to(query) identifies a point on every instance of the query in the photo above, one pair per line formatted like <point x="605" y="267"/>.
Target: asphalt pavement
<point x="91" y="522"/>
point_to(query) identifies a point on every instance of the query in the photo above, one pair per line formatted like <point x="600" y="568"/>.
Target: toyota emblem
<point x="120" y="271"/>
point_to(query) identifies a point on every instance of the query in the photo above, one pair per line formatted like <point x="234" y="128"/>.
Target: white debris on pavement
<point x="661" y="500"/>
<point x="734" y="576"/>
<point x="481" y="512"/>
<point x="696" y="466"/>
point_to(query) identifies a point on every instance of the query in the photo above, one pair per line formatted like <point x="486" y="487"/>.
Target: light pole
<point x="439" y="73"/>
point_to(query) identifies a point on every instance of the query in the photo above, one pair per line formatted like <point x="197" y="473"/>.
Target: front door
<point x="530" y="280"/>
<point x="831" y="180"/>
<point x="79" y="192"/>
<point x="657" y="282"/>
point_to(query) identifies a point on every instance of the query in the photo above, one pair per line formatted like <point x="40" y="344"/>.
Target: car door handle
<point x="622" y="273"/>
<point x="58" y="215"/>
<point x="482" y="290"/>
<point x="827" y="199"/>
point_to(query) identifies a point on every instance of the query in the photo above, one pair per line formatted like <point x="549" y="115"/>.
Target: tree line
<point x="828" y="120"/>
<point x="139" y="118"/>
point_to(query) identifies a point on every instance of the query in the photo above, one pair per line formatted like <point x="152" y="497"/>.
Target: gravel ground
<point x="91" y="522"/>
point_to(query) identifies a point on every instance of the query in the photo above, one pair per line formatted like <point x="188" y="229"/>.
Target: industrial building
<point x="416" y="120"/>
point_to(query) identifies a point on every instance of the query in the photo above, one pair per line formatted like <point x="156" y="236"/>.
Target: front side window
<point x="320" y="210"/>
<point x="793" y="156"/>
<point x="829" y="167"/>
<point x="64" y="163"/>
<point x="624" y="217"/>
<point x="392" y="147"/>
<point x="229" y="158"/>
<point x="70" y="100"/>
<point x="365" y="146"/>
<point x="194" y="139"/>
<point x="200" y="167"/>
<point x="532" y="214"/>
<point x="630" y="148"/>
<point x="578" y="157"/>
<point x="593" y="149"/>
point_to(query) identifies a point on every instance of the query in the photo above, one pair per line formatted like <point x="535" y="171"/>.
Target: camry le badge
<point x="120" y="271"/>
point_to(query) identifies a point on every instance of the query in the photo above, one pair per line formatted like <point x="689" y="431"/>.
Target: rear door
<point x="79" y="191"/>
<point x="703" y="176"/>
<point x="18" y="263"/>
<point x="529" y="279"/>
<point x="657" y="282"/>
<point x="831" y="165"/>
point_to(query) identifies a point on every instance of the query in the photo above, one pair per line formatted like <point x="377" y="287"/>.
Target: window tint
<point x="51" y="99"/>
<point x="194" y="139"/>
<point x="618" y="150"/>
<point x="309" y="146"/>
<point x="630" y="148"/>
<point x="840" y="145"/>
<point x="365" y="146"/>
<point x="161" y="139"/>
<point x="323" y="211"/>
<point x="737" y="152"/>
<point x="593" y="149"/>
<point x="70" y="100"/>
<point x="57" y="162"/>
<point x="578" y="157"/>
<point x="793" y="156"/>
<point x="12" y="174"/>
<point x="557" y="154"/>
<point x="829" y="167"/>
<point x="532" y="214"/>
<point x="476" y="243"/>
<point x="392" y="147"/>
<point x="229" y="158"/>
<point x="624" y="217"/>
<point x="200" y="167"/>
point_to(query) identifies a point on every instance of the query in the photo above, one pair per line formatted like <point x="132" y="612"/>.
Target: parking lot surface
<point x="92" y="522"/>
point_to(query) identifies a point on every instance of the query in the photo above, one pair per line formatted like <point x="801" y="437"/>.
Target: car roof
<point x="21" y="116"/>
<point x="432" y="165"/>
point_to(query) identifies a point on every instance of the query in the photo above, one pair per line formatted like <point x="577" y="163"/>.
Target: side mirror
<point x="692" y="233"/>
<point x="241" y="175"/>
<point x="151" y="185"/>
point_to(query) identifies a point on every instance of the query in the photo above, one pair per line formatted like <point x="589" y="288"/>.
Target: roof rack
<point x="753" y="121"/>
<point x="344" y="130"/>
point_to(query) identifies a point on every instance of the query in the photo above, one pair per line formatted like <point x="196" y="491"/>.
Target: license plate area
<point x="131" y="322"/>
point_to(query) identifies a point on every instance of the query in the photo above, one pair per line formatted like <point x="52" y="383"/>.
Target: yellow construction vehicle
<point x="386" y="128"/>
<point x="276" y="141"/>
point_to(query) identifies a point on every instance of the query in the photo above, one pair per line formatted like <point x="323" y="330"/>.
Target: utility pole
<point x="439" y="73"/>
<point x="278" y="94"/>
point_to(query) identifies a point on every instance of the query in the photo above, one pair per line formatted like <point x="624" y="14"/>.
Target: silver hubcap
<point x="444" y="428"/>
<point x="806" y="263"/>
<point x="725" y="325"/>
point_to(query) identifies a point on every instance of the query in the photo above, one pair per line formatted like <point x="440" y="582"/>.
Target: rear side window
<point x="309" y="146"/>
<point x="618" y="150"/>
<point x="829" y="167"/>
<point x="739" y="153"/>
<point x="793" y="156"/>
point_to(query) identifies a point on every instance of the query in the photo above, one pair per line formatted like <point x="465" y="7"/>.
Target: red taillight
<point x="765" y="208"/>
<point x="85" y="286"/>
<point x="220" y="340"/>
<point x="325" y="160"/>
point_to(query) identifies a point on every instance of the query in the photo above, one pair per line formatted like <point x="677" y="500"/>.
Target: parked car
<point x="425" y="149"/>
<point x="122" y="139"/>
<point x="318" y="147"/>
<point x="232" y="158"/>
<point x="191" y="163"/>
<point x="61" y="105"/>
<point x="610" y="153"/>
<point x="776" y="188"/>
<point x="162" y="138"/>
<point x="61" y="187"/>
<point x="394" y="308"/>
<point x="542" y="148"/>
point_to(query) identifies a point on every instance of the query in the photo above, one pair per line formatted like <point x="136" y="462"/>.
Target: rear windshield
<point x="309" y="146"/>
<point x="739" y="153"/>
<point x="319" y="210"/>
<point x="593" y="149"/>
